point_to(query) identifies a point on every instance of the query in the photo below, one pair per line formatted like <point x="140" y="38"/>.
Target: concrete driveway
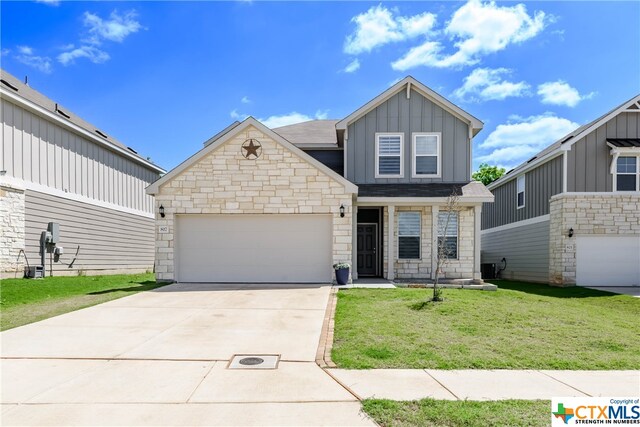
<point x="161" y="358"/>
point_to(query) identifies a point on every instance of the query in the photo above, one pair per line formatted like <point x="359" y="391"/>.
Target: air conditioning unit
<point x="35" y="272"/>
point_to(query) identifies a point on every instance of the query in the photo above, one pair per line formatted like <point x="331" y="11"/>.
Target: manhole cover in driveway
<point x="254" y="361"/>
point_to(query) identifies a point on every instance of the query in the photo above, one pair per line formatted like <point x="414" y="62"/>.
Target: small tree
<point x="451" y="209"/>
<point x="487" y="174"/>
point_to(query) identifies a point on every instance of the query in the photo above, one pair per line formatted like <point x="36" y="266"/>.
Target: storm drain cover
<point x="254" y="361"/>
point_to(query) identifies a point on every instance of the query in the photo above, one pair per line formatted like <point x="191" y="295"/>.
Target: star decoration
<point x="251" y="149"/>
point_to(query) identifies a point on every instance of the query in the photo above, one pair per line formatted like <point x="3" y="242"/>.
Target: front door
<point x="367" y="249"/>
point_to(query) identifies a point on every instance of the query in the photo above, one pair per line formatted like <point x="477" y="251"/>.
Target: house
<point x="56" y="167"/>
<point x="282" y="205"/>
<point x="571" y="214"/>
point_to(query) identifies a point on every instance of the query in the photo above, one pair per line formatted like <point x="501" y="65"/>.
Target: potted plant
<point x="342" y="272"/>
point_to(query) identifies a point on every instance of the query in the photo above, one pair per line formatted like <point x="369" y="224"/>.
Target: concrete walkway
<point x="411" y="384"/>
<point x="161" y="357"/>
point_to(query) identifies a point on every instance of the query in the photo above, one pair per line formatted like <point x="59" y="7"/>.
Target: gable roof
<point x="13" y="89"/>
<point x="226" y="136"/>
<point x="310" y="134"/>
<point x="567" y="141"/>
<point x="411" y="83"/>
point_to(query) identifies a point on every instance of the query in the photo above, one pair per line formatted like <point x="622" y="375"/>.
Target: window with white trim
<point x="389" y="155"/>
<point x="426" y="155"/>
<point x="520" y="196"/>
<point x="627" y="173"/>
<point x="409" y="235"/>
<point x="448" y="231"/>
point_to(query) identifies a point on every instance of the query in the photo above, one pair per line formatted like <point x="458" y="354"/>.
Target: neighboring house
<point x="571" y="214"/>
<point x="282" y="205"/>
<point x="55" y="167"/>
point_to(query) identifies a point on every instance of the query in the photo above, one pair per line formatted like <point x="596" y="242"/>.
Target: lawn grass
<point x="520" y="326"/>
<point x="25" y="301"/>
<point x="443" y="413"/>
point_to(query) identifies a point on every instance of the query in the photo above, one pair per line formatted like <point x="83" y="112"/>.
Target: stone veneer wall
<point x="461" y="268"/>
<point x="587" y="214"/>
<point x="12" y="231"/>
<point x="278" y="182"/>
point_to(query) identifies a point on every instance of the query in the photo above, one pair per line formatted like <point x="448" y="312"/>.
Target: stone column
<point x="390" y="242"/>
<point x="354" y="244"/>
<point x="477" y="274"/>
<point x="434" y="240"/>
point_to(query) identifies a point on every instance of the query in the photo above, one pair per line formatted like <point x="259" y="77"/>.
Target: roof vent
<point x="102" y="134"/>
<point x="132" y="150"/>
<point x="62" y="113"/>
<point x="532" y="159"/>
<point x="6" y="83"/>
<point x="509" y="171"/>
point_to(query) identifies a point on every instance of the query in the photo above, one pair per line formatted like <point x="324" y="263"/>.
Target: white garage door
<point x="253" y="248"/>
<point x="608" y="261"/>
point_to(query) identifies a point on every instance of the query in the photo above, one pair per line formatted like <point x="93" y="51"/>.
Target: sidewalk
<point x="412" y="384"/>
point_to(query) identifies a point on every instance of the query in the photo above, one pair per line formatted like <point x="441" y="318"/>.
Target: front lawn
<point x="520" y="326"/>
<point x="444" y="413"/>
<point x="25" y="301"/>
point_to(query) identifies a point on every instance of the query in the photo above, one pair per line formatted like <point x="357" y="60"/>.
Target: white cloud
<point x="476" y="29"/>
<point x="561" y="93"/>
<point x="484" y="84"/>
<point x="292" y="118"/>
<point x="116" y="29"/>
<point x="49" y="2"/>
<point x="5" y="52"/>
<point x="377" y="27"/>
<point x="27" y="56"/>
<point x="237" y="116"/>
<point x="353" y="66"/>
<point x="245" y="100"/>
<point x="92" y="53"/>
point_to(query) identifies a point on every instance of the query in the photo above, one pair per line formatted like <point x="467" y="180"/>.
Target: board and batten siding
<point x="40" y="151"/>
<point x="541" y="183"/>
<point x="526" y="249"/>
<point x="108" y="239"/>
<point x="416" y="114"/>
<point x="590" y="158"/>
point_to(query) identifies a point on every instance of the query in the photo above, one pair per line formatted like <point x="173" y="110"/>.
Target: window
<point x="389" y="155"/>
<point x="409" y="235"/>
<point x="426" y="155"/>
<point x="520" y="197"/>
<point x="448" y="231"/>
<point x="627" y="174"/>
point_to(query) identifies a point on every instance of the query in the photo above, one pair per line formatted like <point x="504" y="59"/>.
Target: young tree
<point x="450" y="210"/>
<point x="487" y="174"/>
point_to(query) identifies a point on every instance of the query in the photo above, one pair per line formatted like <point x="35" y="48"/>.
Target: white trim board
<point x="39" y="188"/>
<point x="517" y="224"/>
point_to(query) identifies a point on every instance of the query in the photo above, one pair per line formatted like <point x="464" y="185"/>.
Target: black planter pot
<point x="342" y="276"/>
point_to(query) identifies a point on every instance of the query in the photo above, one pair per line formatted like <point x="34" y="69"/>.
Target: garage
<point x="608" y="260"/>
<point x="260" y="248"/>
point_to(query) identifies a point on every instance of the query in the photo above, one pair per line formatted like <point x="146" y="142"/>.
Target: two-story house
<point x="571" y="214"/>
<point x="56" y="167"/>
<point x="282" y="205"/>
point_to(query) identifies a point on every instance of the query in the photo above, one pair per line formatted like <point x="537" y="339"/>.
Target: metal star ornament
<point x="251" y="149"/>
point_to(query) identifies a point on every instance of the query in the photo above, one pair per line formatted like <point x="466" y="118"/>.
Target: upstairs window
<point x="426" y="155"/>
<point x="520" y="196"/>
<point x="409" y="235"/>
<point x="627" y="174"/>
<point x="448" y="234"/>
<point x="389" y="155"/>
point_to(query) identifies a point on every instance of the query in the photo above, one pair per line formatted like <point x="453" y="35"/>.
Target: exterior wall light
<point x="161" y="210"/>
<point x="571" y="232"/>
<point x="341" y="211"/>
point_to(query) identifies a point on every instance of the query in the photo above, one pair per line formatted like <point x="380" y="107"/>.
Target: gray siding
<point x="108" y="239"/>
<point x="540" y="184"/>
<point x="40" y="151"/>
<point x="526" y="249"/>
<point x="590" y="158"/>
<point x="416" y="114"/>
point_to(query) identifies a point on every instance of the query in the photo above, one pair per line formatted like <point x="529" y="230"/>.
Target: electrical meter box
<point x="54" y="229"/>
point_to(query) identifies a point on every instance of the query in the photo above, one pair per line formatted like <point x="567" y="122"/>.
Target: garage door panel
<point x="254" y="248"/>
<point x="608" y="260"/>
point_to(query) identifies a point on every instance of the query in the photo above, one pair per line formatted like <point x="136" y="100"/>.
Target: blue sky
<point x="165" y="76"/>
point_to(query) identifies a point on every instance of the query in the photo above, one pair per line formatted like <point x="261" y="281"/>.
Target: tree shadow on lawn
<point x="147" y="285"/>
<point x="551" y="291"/>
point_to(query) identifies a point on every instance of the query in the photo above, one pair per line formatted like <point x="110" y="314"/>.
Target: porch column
<point x="434" y="240"/>
<point x="477" y="210"/>
<point x="390" y="242"/>
<point x="354" y="243"/>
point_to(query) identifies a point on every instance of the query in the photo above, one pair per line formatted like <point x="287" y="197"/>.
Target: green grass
<point x="442" y="413"/>
<point x="25" y="301"/>
<point x="520" y="326"/>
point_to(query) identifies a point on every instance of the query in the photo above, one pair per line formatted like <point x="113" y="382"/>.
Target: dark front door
<point x="367" y="249"/>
